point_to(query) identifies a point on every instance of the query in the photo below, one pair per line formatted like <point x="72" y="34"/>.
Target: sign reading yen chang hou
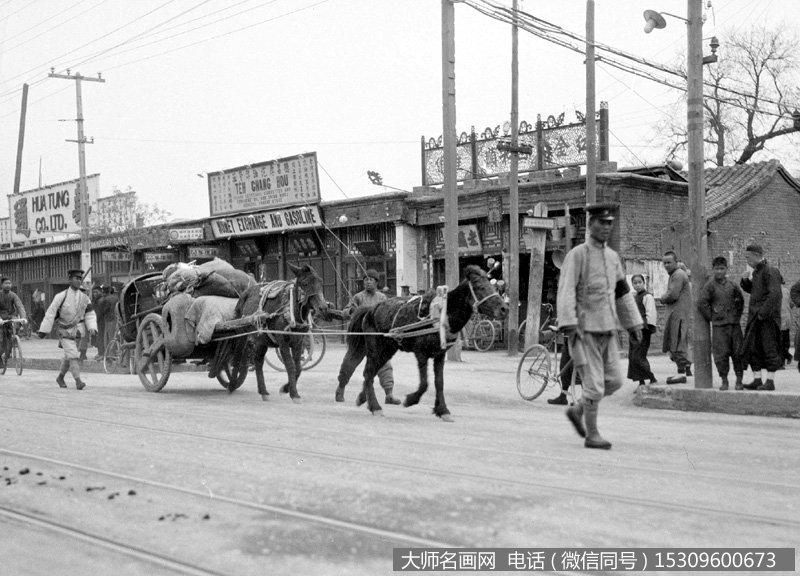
<point x="290" y="181"/>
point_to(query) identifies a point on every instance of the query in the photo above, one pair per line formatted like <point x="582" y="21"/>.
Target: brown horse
<point x="287" y="307"/>
<point x="474" y="293"/>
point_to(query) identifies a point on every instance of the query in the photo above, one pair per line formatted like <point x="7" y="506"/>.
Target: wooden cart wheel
<point x="153" y="360"/>
<point x="230" y="373"/>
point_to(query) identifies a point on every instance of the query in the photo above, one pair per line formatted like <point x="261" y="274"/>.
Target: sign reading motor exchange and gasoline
<point x="50" y="210"/>
<point x="288" y="181"/>
<point x="266" y="222"/>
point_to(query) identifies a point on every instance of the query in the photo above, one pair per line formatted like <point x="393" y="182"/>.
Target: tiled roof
<point x="728" y="186"/>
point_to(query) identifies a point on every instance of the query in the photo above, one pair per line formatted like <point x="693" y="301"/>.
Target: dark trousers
<point x="785" y="345"/>
<point x="763" y="345"/>
<point x="638" y="364"/>
<point x="726" y="340"/>
<point x="566" y="371"/>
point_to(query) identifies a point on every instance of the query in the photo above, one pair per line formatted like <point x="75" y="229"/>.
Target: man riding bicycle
<point x="10" y="307"/>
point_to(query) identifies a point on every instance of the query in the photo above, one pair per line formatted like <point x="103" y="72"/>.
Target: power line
<point x="57" y="14"/>
<point x="7" y="16"/>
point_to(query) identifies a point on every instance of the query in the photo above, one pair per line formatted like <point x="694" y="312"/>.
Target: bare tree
<point x="751" y="97"/>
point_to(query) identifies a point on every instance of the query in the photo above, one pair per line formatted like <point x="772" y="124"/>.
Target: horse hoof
<point x="378" y="413"/>
<point x="340" y="395"/>
<point x="265" y="397"/>
<point x="285" y="389"/>
<point x="297" y="400"/>
<point x="361" y="399"/>
<point x="447" y="418"/>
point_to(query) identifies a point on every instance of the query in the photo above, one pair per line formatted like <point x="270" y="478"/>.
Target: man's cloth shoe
<point x="769" y="385"/>
<point x="754" y="384"/>
<point x="724" y="385"/>
<point x="60" y="381"/>
<point x="560" y="399"/>
<point x="79" y="384"/>
<point x="392" y="400"/>
<point x="676" y="380"/>
<point x="688" y="371"/>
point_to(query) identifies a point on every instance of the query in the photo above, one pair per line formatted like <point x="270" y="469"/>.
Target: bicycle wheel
<point x="313" y="351"/>
<point x="483" y="336"/>
<point x="17" y="359"/>
<point x="112" y="357"/>
<point x="533" y="372"/>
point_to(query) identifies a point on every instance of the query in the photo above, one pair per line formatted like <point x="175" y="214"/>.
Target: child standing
<point x="722" y="303"/>
<point x="638" y="365"/>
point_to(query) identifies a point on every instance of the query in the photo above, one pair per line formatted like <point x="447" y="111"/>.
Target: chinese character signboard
<point x="288" y="181"/>
<point x="198" y="252"/>
<point x="469" y="240"/>
<point x="266" y="222"/>
<point x="159" y="257"/>
<point x="48" y="211"/>
<point x="115" y="213"/>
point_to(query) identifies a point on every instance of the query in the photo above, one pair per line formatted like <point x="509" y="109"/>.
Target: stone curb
<point x="751" y="403"/>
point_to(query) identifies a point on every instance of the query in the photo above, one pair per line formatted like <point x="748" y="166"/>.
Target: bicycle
<point x="14" y="355"/>
<point x="314" y="346"/>
<point x="538" y="368"/>
<point x="479" y="333"/>
<point x="546" y="315"/>
<point x="118" y="355"/>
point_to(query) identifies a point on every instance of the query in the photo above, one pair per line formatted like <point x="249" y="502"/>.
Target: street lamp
<point x="698" y="256"/>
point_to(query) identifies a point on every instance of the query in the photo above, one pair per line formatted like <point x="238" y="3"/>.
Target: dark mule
<point x="284" y="302"/>
<point x="474" y="293"/>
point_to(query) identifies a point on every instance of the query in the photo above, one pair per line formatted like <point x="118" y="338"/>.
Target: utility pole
<point x="512" y="279"/>
<point x="21" y="141"/>
<point x="698" y="257"/>
<point x="449" y="188"/>
<point x="591" y="125"/>
<point x="86" y="252"/>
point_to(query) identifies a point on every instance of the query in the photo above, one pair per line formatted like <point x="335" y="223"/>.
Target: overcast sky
<point x="196" y="86"/>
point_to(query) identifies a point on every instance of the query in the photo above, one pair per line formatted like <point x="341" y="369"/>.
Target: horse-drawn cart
<point x="146" y="328"/>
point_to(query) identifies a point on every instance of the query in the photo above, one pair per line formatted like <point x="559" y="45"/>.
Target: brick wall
<point x="646" y="211"/>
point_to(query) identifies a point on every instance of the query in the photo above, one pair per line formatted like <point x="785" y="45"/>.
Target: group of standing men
<point x="594" y="299"/>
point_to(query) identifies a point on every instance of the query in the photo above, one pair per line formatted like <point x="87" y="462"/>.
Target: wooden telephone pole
<point x="86" y="253"/>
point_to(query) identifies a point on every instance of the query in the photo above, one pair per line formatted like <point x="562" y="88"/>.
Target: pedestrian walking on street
<point x="678" y="299"/>
<point x="794" y="296"/>
<point x="786" y="323"/>
<point x="97" y="296"/>
<point x="762" y="336"/>
<point x="72" y="314"/>
<point x="369" y="296"/>
<point x="722" y="303"/>
<point x="638" y="364"/>
<point x="10" y="307"/>
<point x="593" y="299"/>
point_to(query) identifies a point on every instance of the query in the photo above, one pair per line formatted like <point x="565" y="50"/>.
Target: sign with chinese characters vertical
<point x="469" y="239"/>
<point x="291" y="181"/>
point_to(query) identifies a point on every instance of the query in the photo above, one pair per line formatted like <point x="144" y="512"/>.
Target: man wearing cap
<point x="72" y="314"/>
<point x="593" y="300"/>
<point x="762" y="336"/>
<point x="369" y="296"/>
<point x="678" y="300"/>
<point x="10" y="307"/>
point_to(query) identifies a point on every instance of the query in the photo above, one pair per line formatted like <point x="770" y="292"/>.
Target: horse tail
<point x="356" y="341"/>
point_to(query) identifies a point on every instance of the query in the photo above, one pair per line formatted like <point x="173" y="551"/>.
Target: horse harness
<point x="276" y="289"/>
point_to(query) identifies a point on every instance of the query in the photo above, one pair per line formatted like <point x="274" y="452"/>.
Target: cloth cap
<point x="73" y="273"/>
<point x="372" y="274"/>
<point x="603" y="210"/>
<point x="755" y="249"/>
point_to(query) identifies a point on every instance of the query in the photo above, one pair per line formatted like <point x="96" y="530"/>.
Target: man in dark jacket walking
<point x="762" y="336"/>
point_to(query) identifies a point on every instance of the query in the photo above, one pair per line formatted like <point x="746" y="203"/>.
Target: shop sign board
<point x="115" y="256"/>
<point x="159" y="257"/>
<point x="469" y="239"/>
<point x="185" y="234"/>
<point x="49" y="211"/>
<point x="198" y="252"/>
<point x="277" y="183"/>
<point x="267" y="222"/>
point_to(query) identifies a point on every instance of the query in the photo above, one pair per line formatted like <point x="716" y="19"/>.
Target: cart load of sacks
<point x="200" y="298"/>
